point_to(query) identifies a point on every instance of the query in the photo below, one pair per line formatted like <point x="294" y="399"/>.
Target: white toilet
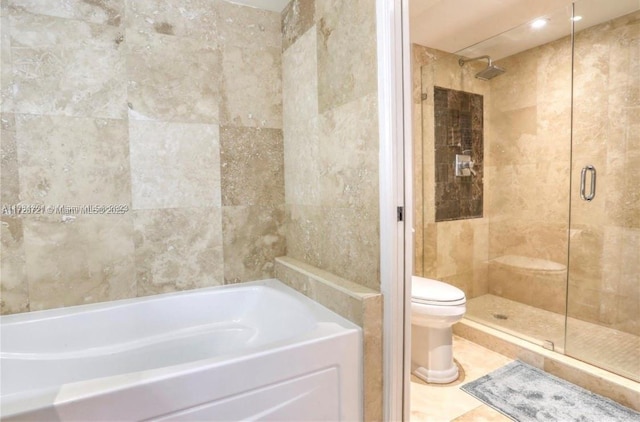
<point x="435" y="307"/>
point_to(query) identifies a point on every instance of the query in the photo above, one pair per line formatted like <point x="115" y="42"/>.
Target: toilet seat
<point x="426" y="291"/>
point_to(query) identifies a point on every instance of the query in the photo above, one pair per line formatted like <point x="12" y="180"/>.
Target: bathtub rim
<point x="316" y="308"/>
<point x="329" y="325"/>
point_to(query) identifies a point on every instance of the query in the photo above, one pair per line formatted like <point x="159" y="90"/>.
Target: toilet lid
<point x="434" y="292"/>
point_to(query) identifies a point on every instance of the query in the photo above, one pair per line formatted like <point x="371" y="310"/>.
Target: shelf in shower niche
<point x="528" y="263"/>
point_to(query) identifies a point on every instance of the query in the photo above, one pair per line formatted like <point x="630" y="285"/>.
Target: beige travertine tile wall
<point x="528" y="163"/>
<point x="172" y="109"/>
<point x="176" y="110"/>
<point x="533" y="143"/>
<point x="529" y="156"/>
<point x="604" y="277"/>
<point x="331" y="137"/>
<point x="331" y="151"/>
<point x="451" y="251"/>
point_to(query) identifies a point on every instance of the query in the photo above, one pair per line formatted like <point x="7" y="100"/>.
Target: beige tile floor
<point x="432" y="402"/>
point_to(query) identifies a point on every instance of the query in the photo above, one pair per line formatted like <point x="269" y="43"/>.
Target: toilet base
<point x="437" y="377"/>
<point x="432" y="354"/>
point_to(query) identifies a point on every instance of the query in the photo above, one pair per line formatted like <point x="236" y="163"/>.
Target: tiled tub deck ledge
<point x="359" y="304"/>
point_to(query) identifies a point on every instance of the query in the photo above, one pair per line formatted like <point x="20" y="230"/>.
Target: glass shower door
<point x="603" y="302"/>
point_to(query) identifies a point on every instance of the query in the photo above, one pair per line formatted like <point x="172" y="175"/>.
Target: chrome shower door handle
<point x="583" y="182"/>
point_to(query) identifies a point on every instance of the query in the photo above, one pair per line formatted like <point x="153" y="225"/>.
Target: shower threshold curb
<point x="600" y="381"/>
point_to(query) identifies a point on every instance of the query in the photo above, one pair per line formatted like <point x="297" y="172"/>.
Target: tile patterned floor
<point x="440" y="403"/>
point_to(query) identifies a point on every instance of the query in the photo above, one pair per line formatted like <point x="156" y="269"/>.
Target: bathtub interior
<point x="46" y="349"/>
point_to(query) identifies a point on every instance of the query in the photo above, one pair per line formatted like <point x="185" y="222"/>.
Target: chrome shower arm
<point x="462" y="61"/>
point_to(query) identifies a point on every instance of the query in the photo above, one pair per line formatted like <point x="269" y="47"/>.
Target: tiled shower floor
<point x="604" y="347"/>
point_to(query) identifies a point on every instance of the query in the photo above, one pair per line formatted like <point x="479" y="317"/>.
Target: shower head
<point x="491" y="71"/>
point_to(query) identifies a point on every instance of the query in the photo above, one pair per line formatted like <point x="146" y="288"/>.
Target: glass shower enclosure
<point x="543" y="230"/>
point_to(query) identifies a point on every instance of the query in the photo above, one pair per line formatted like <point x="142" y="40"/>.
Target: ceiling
<point x="454" y="25"/>
<point x="471" y="27"/>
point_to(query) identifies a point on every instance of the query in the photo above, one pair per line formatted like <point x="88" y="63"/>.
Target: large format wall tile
<point x="604" y="242"/>
<point x="39" y="31"/>
<point x="304" y="226"/>
<point x="349" y="169"/>
<point x="512" y="185"/>
<point x="6" y="68"/>
<point x="14" y="295"/>
<point x="624" y="64"/>
<point x="115" y="106"/>
<point x="343" y="241"/>
<point x="418" y="174"/>
<point x="248" y="26"/>
<point x="553" y="108"/>
<point x="253" y="237"/>
<point x="172" y="78"/>
<point x="251" y="166"/>
<point x="346" y="51"/>
<point x="76" y="260"/>
<point x="330" y="137"/>
<point x="517" y="87"/>
<point x="455" y="247"/>
<point x="514" y="137"/>
<point x="64" y="67"/>
<point x="623" y="143"/>
<point x="13" y="281"/>
<point x="188" y="18"/>
<point x="251" y="86"/>
<point x="9" y="178"/>
<point x="174" y="165"/>
<point x="302" y="157"/>
<point x="106" y="12"/>
<point x="177" y="249"/>
<point x="621" y="204"/>
<point x="301" y="121"/>
<point x="590" y="133"/>
<point x="300" y="81"/>
<point x="534" y="239"/>
<point x="351" y="244"/>
<point x="72" y="161"/>
<point x="297" y="18"/>
<point x="251" y="66"/>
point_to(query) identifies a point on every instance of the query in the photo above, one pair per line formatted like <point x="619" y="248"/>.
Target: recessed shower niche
<point x="458" y="154"/>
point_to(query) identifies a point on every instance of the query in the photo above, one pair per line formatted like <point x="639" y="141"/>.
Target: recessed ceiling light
<point x="539" y="23"/>
<point x="576" y="18"/>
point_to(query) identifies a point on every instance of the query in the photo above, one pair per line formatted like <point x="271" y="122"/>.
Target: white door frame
<point x="396" y="237"/>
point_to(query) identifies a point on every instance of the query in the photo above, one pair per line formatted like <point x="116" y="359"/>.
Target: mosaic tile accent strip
<point x="458" y="130"/>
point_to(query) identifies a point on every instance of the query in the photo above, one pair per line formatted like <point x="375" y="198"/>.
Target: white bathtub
<point x="254" y="351"/>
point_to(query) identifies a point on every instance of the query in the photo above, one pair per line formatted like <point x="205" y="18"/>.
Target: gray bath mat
<point x="525" y="393"/>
